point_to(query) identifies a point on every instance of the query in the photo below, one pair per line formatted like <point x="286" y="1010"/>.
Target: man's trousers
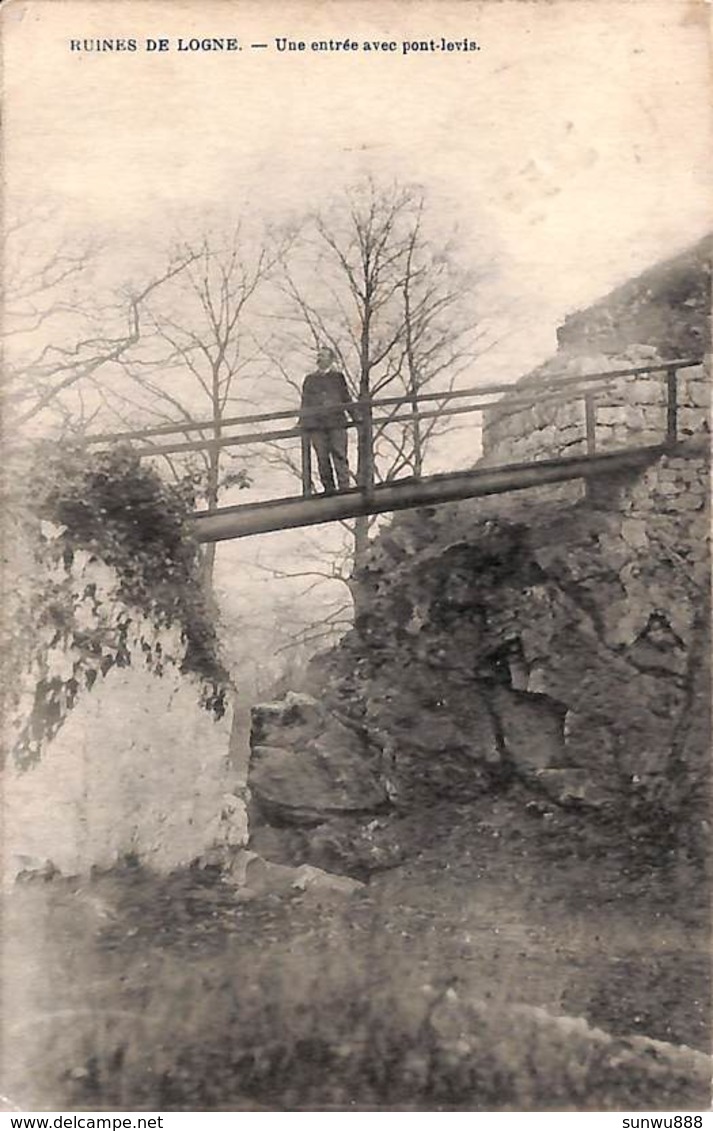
<point x="330" y="447"/>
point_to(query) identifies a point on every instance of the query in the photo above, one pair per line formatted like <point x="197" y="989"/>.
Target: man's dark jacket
<point x="324" y="394"/>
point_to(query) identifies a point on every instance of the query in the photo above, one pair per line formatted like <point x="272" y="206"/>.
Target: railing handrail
<point x="514" y="404"/>
<point x="515" y="391"/>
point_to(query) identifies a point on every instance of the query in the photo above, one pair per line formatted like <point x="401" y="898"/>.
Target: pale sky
<point x="574" y="147"/>
<point x="575" y="143"/>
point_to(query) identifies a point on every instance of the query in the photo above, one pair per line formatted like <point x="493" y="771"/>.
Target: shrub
<point x="115" y="577"/>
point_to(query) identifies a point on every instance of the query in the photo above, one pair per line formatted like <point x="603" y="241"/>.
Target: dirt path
<point x="542" y="909"/>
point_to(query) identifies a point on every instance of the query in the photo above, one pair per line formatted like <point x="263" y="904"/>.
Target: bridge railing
<point x="371" y="416"/>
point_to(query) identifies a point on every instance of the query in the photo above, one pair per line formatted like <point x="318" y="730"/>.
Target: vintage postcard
<point x="355" y="621"/>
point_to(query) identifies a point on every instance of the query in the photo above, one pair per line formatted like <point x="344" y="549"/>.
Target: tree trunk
<point x="208" y="566"/>
<point x="356" y="584"/>
<point x="417" y="458"/>
<point x="416" y="434"/>
<point x="365" y="464"/>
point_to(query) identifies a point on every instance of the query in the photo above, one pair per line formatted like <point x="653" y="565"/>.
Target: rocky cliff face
<point x="138" y="771"/>
<point x="563" y="652"/>
<point x="551" y="642"/>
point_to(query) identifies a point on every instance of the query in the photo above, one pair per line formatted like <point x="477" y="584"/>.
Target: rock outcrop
<point x="667" y="307"/>
<point x="138" y="772"/>
<point x="564" y="654"/>
<point x="307" y="762"/>
<point x="552" y="638"/>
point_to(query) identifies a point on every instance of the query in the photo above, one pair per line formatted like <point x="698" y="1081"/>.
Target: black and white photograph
<point x="355" y="583"/>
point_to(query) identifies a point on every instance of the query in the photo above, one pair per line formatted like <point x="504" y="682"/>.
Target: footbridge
<point x="368" y="496"/>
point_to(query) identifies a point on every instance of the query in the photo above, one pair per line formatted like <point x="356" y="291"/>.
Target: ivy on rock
<point x="113" y="518"/>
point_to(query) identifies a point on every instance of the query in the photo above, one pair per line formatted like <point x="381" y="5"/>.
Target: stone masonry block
<point x="650" y="391"/>
<point x="611" y="414"/>
<point x="692" y="421"/>
<point x="695" y="394"/>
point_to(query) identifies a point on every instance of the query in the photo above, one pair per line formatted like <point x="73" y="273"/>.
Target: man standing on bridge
<point x="325" y="397"/>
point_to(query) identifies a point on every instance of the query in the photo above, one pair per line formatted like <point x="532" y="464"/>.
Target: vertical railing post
<point x="590" y="423"/>
<point x="671" y="406"/>
<point x="306" y="466"/>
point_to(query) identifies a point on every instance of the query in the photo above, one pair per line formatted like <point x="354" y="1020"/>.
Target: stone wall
<point x="628" y="412"/>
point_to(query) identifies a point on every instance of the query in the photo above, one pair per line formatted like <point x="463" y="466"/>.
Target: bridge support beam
<point x="282" y="514"/>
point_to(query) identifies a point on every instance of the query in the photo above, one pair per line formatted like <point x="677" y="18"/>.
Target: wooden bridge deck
<point x="281" y="514"/>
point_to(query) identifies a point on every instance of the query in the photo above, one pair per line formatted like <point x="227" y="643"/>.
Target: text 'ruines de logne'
<point x="279" y="45"/>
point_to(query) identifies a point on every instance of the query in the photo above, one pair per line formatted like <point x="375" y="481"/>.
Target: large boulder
<point x="308" y="765"/>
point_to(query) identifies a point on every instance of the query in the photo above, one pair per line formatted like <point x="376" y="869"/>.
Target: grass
<point x="420" y="993"/>
<point x="320" y="1030"/>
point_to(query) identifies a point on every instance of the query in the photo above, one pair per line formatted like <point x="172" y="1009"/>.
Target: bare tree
<point x="198" y="357"/>
<point x="398" y="311"/>
<point x="58" y="336"/>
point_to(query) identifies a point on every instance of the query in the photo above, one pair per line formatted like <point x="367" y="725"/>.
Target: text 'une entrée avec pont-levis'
<point x="280" y="45"/>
